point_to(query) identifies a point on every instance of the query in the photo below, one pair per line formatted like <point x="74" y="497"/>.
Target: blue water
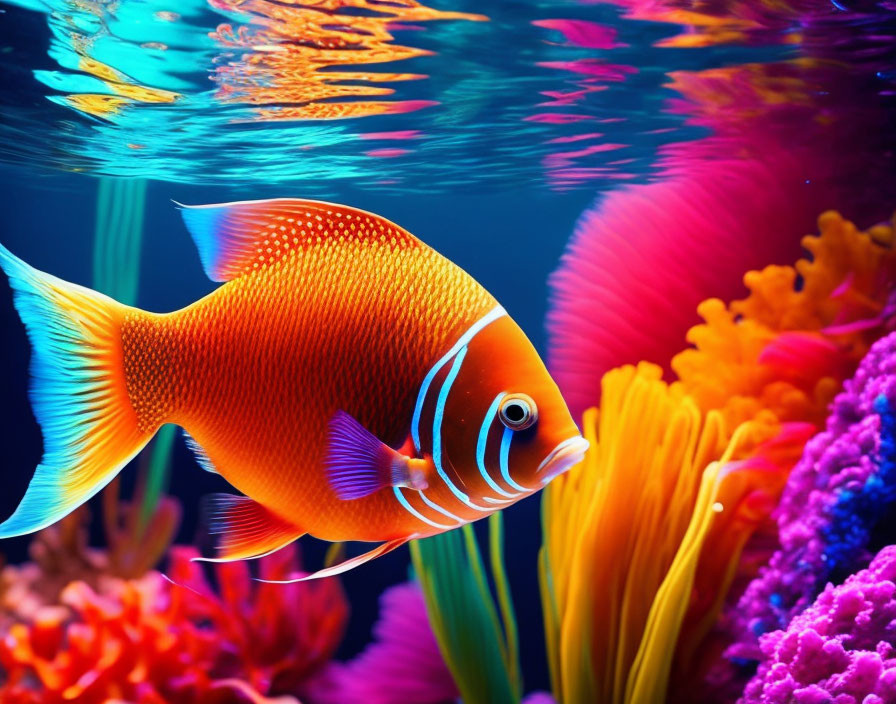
<point x="488" y="152"/>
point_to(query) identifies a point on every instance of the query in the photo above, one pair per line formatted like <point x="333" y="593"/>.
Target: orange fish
<point x="350" y="381"/>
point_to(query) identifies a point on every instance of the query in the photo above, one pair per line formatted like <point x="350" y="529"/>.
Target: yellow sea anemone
<point x="624" y="533"/>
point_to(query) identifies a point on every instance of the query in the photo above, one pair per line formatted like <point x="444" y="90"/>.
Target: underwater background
<point x="610" y="171"/>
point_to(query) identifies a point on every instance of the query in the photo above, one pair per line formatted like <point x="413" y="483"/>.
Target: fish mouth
<point x="563" y="457"/>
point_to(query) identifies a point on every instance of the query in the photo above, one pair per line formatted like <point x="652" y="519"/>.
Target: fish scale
<point x="348" y="308"/>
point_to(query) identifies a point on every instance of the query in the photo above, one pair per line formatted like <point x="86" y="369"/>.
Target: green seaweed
<point x="120" y="206"/>
<point x="156" y="479"/>
<point x="477" y="637"/>
<point x="118" y="236"/>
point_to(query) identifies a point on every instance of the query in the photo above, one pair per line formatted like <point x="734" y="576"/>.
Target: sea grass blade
<point x="479" y="646"/>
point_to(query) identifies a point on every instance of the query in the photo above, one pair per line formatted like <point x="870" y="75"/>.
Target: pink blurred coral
<point x="641" y="261"/>
<point x="403" y="664"/>
<point x="60" y="554"/>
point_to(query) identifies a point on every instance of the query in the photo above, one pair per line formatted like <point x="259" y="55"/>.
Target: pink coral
<point x="842" y="649"/>
<point x="402" y="665"/>
<point x="644" y="256"/>
<point x="835" y="512"/>
<point x="60" y="554"/>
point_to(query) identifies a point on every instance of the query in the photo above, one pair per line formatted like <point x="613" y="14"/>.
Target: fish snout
<point x="562" y="458"/>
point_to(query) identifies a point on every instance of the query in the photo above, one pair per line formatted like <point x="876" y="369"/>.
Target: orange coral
<point x="802" y="330"/>
<point x="625" y="574"/>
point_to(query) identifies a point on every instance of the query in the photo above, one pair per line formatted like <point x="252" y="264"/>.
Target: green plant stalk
<point x="157" y="473"/>
<point x="120" y="211"/>
<point x="480" y="653"/>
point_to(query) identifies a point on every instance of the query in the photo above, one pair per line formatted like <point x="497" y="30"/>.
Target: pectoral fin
<point x="241" y="528"/>
<point x="359" y="464"/>
<point x="346" y="565"/>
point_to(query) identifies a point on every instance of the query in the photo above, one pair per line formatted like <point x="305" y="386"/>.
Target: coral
<point x="137" y="535"/>
<point x="680" y="476"/>
<point x="834" y="506"/>
<point x="788" y="346"/>
<point x="642" y="538"/>
<point x="841" y="649"/>
<point x="829" y="322"/>
<point x="154" y="640"/>
<point x="402" y="665"/>
<point x="60" y="554"/>
<point x="641" y="260"/>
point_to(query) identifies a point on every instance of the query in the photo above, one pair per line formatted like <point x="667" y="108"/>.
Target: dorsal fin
<point x="236" y="238"/>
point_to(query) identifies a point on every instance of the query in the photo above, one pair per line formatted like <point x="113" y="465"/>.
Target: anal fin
<point x="347" y="565"/>
<point x="241" y="528"/>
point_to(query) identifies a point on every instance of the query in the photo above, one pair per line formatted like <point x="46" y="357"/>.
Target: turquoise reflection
<point x="390" y="95"/>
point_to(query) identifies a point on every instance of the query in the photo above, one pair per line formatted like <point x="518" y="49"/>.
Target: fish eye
<point x="518" y="412"/>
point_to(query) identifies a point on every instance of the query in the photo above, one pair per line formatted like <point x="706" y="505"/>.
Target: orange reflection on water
<point x="294" y="50"/>
<point x="123" y="90"/>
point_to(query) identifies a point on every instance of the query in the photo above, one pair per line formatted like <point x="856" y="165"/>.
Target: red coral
<point x="154" y="640"/>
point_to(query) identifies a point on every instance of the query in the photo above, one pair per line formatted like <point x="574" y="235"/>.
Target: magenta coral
<point x="833" y="502"/>
<point x="402" y="665"/>
<point x="840" y="650"/>
<point x="641" y="261"/>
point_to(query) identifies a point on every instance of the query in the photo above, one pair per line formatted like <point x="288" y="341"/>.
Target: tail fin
<point x="77" y="392"/>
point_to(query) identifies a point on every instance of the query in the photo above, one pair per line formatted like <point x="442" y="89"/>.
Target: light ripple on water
<point x="395" y="95"/>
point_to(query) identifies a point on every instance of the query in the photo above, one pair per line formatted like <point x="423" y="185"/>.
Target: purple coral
<point x="833" y="504"/>
<point x="840" y="650"/>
